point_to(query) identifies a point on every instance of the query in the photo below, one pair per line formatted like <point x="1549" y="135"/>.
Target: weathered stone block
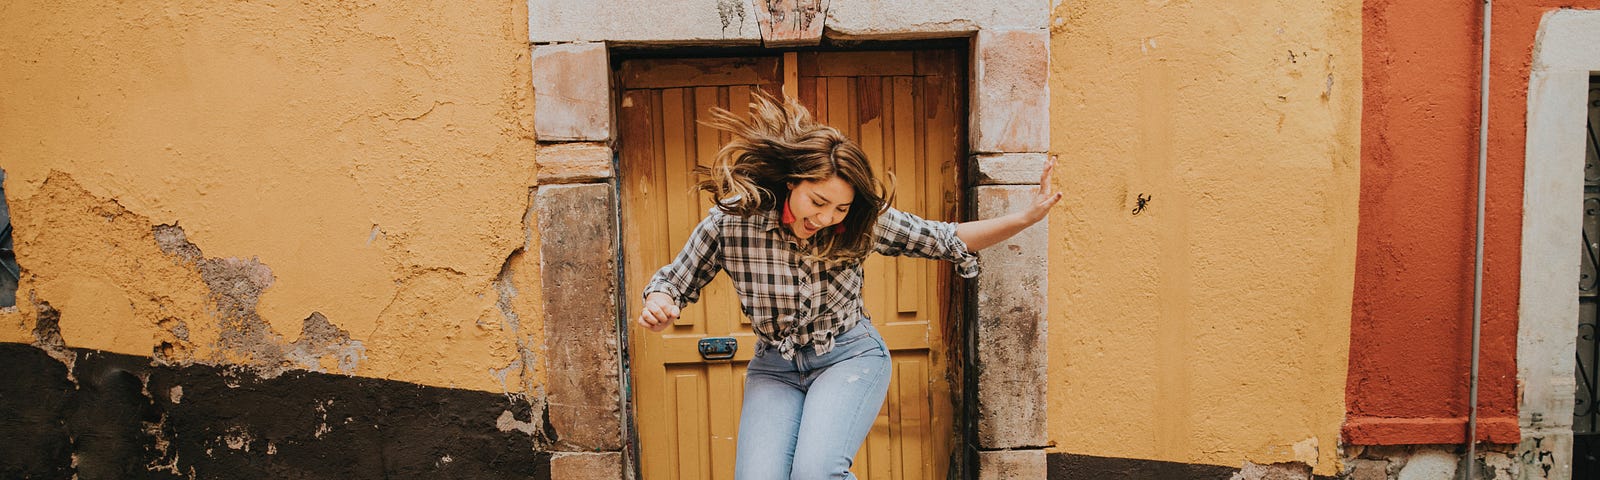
<point x="1009" y="168"/>
<point x="791" y="23"/>
<point x="577" y="257"/>
<point x="1546" y="449"/>
<point x="1430" y="465"/>
<point x="571" y="92"/>
<point x="881" y="19"/>
<point x="574" y="163"/>
<point x="1010" y="92"/>
<point x="672" y="21"/>
<point x="1012" y="464"/>
<point x="1361" y="469"/>
<point x="586" y="466"/>
<point x="1011" y="333"/>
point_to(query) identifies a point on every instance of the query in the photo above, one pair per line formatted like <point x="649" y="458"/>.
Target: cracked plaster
<point x="356" y="152"/>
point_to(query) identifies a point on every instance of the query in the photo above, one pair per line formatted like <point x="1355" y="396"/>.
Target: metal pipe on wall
<point x="1477" y="276"/>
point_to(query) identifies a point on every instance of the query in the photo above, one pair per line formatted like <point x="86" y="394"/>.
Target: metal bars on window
<point x="1586" y="414"/>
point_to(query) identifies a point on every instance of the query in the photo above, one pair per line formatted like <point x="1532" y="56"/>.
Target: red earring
<point x="838" y="229"/>
<point x="788" y="215"/>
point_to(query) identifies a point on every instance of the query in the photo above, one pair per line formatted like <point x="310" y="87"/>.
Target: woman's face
<point x="819" y="204"/>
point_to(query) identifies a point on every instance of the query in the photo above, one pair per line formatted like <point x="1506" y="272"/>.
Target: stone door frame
<point x="1565" y="53"/>
<point x="574" y="119"/>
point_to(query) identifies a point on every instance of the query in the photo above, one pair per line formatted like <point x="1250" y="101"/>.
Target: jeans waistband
<point x="862" y="328"/>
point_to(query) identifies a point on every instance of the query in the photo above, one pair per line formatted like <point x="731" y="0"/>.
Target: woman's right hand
<point x="660" y="311"/>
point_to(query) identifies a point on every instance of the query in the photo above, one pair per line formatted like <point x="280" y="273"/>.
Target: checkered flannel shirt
<point x="792" y="300"/>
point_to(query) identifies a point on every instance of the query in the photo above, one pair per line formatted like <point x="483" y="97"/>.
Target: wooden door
<point x="905" y="110"/>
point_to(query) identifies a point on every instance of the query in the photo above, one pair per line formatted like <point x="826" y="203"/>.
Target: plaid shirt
<point x="791" y="300"/>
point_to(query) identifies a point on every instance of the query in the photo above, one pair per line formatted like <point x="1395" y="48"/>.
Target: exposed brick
<point x="1011" y="465"/>
<point x="1011" y="94"/>
<point x="586" y="466"/>
<point x="577" y="258"/>
<point x="1011" y="334"/>
<point x="1009" y="168"/>
<point x="571" y="92"/>
<point x="574" y="163"/>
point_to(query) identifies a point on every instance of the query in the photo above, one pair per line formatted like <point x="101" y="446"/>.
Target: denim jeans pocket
<point x="855" y="334"/>
<point x="870" y="344"/>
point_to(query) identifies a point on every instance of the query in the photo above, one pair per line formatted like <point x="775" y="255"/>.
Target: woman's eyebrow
<point x="825" y="199"/>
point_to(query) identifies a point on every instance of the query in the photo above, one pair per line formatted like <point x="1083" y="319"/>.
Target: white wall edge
<point x="1565" y="51"/>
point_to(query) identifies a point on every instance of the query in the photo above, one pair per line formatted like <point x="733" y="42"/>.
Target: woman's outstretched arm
<point x="981" y="234"/>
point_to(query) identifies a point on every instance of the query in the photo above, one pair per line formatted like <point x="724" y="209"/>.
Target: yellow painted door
<point x="904" y="109"/>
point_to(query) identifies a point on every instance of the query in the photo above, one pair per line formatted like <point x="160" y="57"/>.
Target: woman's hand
<point x="1043" y="200"/>
<point x="660" y="311"/>
<point x="981" y="234"/>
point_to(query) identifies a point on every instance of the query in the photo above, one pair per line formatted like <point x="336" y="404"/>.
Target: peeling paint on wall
<point x="235" y="331"/>
<point x="356" y="177"/>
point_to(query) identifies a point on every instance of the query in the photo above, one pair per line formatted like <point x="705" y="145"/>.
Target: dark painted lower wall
<point x="120" y="417"/>
<point x="1066" y="466"/>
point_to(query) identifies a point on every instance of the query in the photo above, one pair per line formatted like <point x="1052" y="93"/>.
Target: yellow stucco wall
<point x="375" y="160"/>
<point x="1213" y="326"/>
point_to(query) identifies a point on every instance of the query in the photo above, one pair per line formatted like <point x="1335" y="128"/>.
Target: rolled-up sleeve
<point x="696" y="265"/>
<point x="901" y="233"/>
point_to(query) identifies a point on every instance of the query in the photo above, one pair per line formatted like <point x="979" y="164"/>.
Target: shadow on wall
<point x="9" y="271"/>
<point x="120" y="416"/>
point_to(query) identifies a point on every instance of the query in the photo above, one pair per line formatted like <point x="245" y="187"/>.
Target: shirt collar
<point x="774" y="220"/>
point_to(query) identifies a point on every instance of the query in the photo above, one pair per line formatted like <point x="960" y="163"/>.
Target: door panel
<point x="686" y="408"/>
<point x="904" y="109"/>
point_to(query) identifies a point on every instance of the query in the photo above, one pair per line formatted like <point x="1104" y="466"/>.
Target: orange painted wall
<point x="1410" y="348"/>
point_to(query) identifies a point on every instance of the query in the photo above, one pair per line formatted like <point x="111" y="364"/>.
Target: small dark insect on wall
<point x="1143" y="201"/>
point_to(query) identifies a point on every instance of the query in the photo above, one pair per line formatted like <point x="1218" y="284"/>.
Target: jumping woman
<point x="798" y="210"/>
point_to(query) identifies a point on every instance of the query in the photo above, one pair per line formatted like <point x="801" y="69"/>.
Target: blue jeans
<point x="805" y="418"/>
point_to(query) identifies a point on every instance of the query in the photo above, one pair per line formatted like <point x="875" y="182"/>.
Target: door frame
<point x="1564" y="57"/>
<point x="1002" y="428"/>
<point x="714" y="68"/>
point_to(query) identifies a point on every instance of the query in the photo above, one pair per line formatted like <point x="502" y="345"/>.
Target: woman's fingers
<point x="1047" y="196"/>
<point x="658" y="317"/>
<point x="1050" y="201"/>
<point x="658" y="325"/>
<point x="1044" y="179"/>
<point x="666" y="313"/>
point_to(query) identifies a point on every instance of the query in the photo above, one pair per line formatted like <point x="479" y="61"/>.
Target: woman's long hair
<point x="779" y="144"/>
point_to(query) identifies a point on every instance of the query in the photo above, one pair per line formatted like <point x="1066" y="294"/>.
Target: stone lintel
<point x="791" y="23"/>
<point x="571" y="92"/>
<point x="1009" y="168"/>
<point x="1010" y="307"/>
<point x="1011" y="92"/>
<point x="684" y="22"/>
<point x="926" y="18"/>
<point x="577" y="258"/>
<point x="579" y="162"/>
<point x="586" y="466"/>
<point x="1012" y="465"/>
<point x="735" y="22"/>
